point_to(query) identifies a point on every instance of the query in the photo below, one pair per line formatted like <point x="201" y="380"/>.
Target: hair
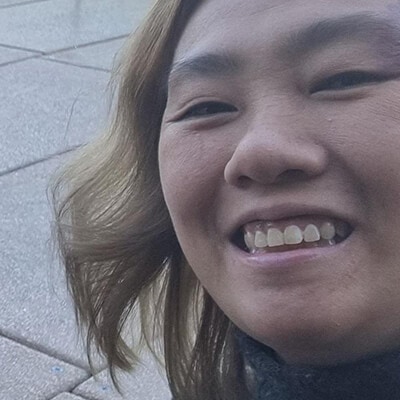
<point x="123" y="261"/>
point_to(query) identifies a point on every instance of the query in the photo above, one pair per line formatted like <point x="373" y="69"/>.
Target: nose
<point x="265" y="158"/>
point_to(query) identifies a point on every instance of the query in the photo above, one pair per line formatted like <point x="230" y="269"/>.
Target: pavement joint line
<point x="42" y="350"/>
<point x="72" y="389"/>
<point x="75" y="65"/>
<point x="38" y="161"/>
<point x="24" y="3"/>
<point x="19" y="60"/>
<point x="81" y="383"/>
<point x="69" y="48"/>
<point x="12" y="47"/>
<point x="64" y="392"/>
<point x="83" y="45"/>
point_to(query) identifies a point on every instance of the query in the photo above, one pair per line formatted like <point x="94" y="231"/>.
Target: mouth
<point x="303" y="232"/>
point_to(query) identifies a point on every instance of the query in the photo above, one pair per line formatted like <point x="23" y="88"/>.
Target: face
<point x="279" y="162"/>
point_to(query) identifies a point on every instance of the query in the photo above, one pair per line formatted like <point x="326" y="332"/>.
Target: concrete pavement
<point x="55" y="61"/>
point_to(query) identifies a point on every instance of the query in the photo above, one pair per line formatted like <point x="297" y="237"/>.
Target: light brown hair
<point x="117" y="241"/>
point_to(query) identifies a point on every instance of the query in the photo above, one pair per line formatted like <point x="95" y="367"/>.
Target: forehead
<point x="226" y="24"/>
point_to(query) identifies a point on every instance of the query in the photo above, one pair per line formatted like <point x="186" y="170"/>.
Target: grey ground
<point x="55" y="62"/>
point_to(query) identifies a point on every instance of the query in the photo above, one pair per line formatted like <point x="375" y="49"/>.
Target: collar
<point x="375" y="378"/>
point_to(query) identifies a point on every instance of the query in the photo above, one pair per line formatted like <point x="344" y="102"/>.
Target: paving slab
<point x="99" y="55"/>
<point x="35" y="306"/>
<point x="27" y="374"/>
<point x="47" y="107"/>
<point x="8" y="55"/>
<point x="60" y="24"/>
<point x="144" y="383"/>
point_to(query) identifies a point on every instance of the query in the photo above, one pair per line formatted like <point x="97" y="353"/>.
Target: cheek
<point x="367" y="145"/>
<point x="191" y="172"/>
<point x="367" y="141"/>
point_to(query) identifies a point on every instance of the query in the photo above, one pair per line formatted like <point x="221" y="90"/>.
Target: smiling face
<point x="279" y="162"/>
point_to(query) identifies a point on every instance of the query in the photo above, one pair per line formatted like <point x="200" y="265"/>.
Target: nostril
<point x="243" y="182"/>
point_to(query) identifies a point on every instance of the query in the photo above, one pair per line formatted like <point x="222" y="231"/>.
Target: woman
<point x="245" y="200"/>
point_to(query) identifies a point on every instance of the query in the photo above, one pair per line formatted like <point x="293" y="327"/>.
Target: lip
<point x="287" y="211"/>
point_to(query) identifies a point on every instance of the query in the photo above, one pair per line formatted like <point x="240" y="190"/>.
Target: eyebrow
<point x="209" y="65"/>
<point x="379" y="31"/>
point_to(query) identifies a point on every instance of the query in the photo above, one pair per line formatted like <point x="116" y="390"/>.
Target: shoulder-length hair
<point x="123" y="261"/>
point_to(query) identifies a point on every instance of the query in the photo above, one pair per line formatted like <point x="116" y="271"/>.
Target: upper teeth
<point x="292" y="234"/>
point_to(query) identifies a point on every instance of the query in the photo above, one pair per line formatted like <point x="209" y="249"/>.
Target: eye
<point x="207" y="109"/>
<point x="347" y="80"/>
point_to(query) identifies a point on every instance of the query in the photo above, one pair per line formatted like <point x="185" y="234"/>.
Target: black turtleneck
<point x="376" y="378"/>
